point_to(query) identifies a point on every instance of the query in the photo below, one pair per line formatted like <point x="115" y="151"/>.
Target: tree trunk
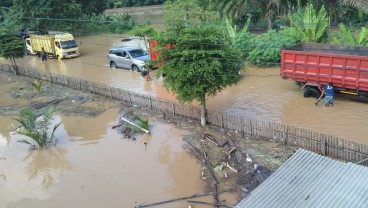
<point x="203" y="110"/>
<point x="269" y="16"/>
<point x="15" y="67"/>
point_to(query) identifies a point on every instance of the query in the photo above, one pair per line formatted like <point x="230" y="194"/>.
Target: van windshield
<point x="137" y="53"/>
<point x="68" y="44"/>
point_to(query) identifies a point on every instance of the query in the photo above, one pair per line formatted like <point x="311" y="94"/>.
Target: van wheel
<point x="113" y="65"/>
<point x="135" y="68"/>
<point x="311" y="92"/>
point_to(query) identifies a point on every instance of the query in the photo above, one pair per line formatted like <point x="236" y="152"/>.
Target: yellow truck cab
<point x="59" y="45"/>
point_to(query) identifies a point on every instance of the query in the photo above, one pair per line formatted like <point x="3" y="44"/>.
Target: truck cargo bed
<point x="344" y="66"/>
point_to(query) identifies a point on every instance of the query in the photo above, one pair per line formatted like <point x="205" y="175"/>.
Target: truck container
<point x="59" y="45"/>
<point x="313" y="65"/>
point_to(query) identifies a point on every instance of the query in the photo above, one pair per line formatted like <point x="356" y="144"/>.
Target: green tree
<point x="347" y="36"/>
<point x="234" y="9"/>
<point x="11" y="47"/>
<point x="34" y="13"/>
<point x="203" y="60"/>
<point x="308" y="26"/>
<point x="266" y="47"/>
<point x="36" y="128"/>
<point x="92" y="6"/>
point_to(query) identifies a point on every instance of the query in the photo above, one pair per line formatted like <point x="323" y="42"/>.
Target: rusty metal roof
<point x="310" y="180"/>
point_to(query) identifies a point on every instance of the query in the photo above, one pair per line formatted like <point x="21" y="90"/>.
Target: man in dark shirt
<point x="145" y="74"/>
<point x="328" y="91"/>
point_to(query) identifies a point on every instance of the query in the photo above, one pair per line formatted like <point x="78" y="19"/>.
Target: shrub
<point x="266" y="48"/>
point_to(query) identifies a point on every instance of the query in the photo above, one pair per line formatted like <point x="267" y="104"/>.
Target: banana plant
<point x="310" y="26"/>
<point x="36" y="128"/>
<point x="347" y="36"/>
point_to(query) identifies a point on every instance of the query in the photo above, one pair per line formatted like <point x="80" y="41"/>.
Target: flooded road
<point x="261" y="94"/>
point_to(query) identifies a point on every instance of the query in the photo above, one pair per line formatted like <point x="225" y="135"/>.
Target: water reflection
<point x="47" y="164"/>
<point x="85" y="130"/>
<point x="2" y="176"/>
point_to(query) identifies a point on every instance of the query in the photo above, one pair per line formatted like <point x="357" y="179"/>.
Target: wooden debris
<point x="39" y="105"/>
<point x="116" y="126"/>
<point x="145" y="130"/>
<point x="231" y="168"/>
<point x="211" y="139"/>
<point x="174" y="200"/>
<point x="206" y="203"/>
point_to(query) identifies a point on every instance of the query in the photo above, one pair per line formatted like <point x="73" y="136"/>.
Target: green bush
<point x="265" y="50"/>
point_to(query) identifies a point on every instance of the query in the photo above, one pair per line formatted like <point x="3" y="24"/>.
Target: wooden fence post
<point x="250" y="127"/>
<point x="222" y="121"/>
<point x="286" y="135"/>
<point x="323" y="146"/>
<point x="173" y="106"/>
<point x="130" y="99"/>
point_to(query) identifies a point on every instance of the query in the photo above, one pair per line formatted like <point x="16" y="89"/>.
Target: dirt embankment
<point x="230" y="161"/>
<point x="68" y="101"/>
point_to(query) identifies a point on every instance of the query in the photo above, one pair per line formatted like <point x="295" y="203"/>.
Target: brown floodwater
<point x="92" y="166"/>
<point x="261" y="94"/>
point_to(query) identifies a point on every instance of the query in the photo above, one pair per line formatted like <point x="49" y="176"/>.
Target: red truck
<point x="313" y="65"/>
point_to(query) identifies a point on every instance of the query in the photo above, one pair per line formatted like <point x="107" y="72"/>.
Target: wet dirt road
<point x="261" y="94"/>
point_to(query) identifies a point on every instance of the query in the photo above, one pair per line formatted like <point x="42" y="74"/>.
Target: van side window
<point x="118" y="54"/>
<point x="124" y="54"/>
<point x="57" y="44"/>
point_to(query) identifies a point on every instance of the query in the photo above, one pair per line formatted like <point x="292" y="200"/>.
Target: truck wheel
<point x="311" y="92"/>
<point x="135" y="68"/>
<point x="113" y="65"/>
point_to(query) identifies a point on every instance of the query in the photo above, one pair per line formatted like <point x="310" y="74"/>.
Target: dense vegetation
<point x="76" y="16"/>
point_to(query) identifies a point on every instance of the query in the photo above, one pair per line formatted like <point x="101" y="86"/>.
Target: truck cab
<point x="65" y="46"/>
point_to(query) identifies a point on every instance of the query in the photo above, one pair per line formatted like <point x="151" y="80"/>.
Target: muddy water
<point x="93" y="167"/>
<point x="144" y="15"/>
<point x="261" y="94"/>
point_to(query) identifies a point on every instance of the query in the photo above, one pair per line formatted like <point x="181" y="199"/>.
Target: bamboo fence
<point x="324" y="144"/>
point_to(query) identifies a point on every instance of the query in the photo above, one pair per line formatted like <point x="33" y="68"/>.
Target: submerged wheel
<point x="113" y="65"/>
<point x="135" y="68"/>
<point x="311" y="92"/>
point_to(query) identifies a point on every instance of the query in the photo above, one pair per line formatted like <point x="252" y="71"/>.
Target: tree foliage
<point x="266" y="48"/>
<point x="37" y="128"/>
<point x="201" y="60"/>
<point x="348" y="36"/>
<point x="11" y="47"/>
<point x="309" y="26"/>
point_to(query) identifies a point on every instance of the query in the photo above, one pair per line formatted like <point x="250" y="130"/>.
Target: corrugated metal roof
<point x="310" y="180"/>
